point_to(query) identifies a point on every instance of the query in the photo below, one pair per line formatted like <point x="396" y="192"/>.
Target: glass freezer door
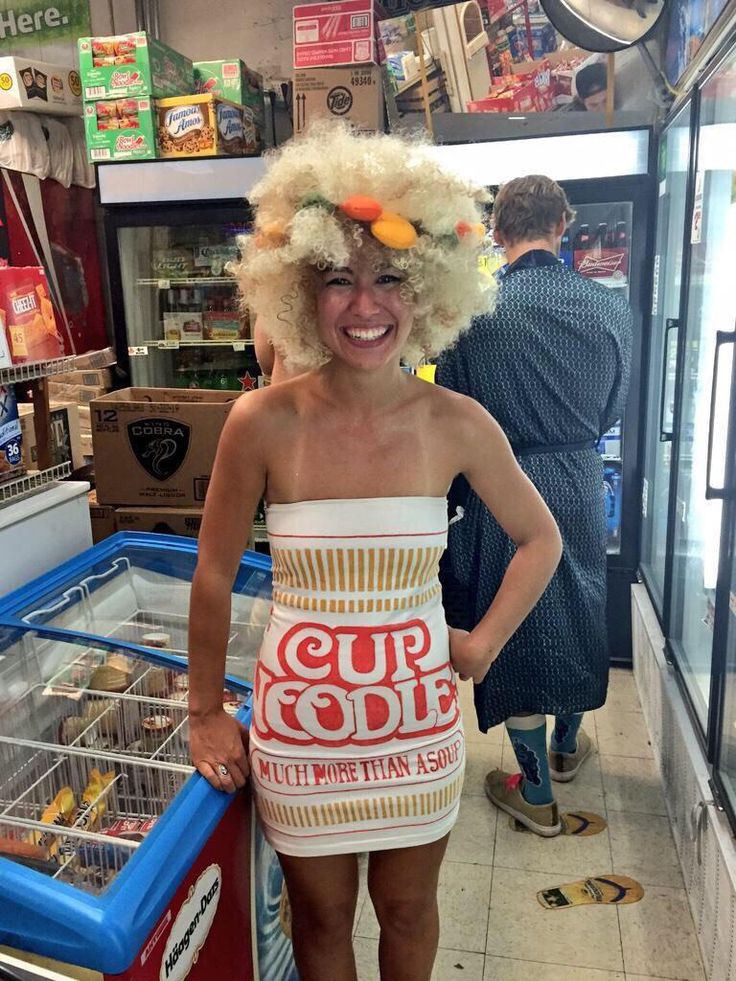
<point x="674" y="162"/>
<point x="598" y="245"/>
<point x="706" y="393"/>
<point x="185" y="327"/>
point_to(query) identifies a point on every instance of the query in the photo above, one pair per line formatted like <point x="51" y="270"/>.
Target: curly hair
<point x="300" y="230"/>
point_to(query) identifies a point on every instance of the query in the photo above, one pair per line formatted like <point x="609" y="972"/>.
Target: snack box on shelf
<point x="120" y="129"/>
<point x="11" y="436"/>
<point x="38" y="86"/>
<point x="233" y="80"/>
<point x="30" y="324"/>
<point x="202" y="126"/>
<point x="132" y="65"/>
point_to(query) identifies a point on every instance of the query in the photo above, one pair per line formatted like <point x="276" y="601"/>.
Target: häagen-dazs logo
<point x="159" y="445"/>
<point x="191" y="926"/>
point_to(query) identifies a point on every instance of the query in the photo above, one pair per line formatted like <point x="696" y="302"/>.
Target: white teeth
<point x="366" y="333"/>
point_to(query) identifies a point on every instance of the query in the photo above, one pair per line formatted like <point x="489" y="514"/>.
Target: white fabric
<point x="83" y="173"/>
<point x="61" y="155"/>
<point x="23" y="145"/>
<point x="356" y="741"/>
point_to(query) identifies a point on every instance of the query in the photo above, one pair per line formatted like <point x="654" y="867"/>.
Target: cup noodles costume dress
<point x="356" y="742"/>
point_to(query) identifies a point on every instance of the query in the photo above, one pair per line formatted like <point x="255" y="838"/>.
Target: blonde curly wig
<point x="443" y="281"/>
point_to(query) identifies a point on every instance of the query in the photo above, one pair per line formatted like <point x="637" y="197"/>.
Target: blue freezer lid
<point x="101" y="731"/>
<point x="135" y="588"/>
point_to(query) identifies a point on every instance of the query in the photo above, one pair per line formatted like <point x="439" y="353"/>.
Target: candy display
<point x="120" y="129"/>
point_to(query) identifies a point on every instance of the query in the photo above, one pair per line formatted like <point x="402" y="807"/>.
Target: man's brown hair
<point x="529" y="207"/>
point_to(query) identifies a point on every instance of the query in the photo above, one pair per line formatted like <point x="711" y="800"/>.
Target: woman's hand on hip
<point x="217" y="743"/>
<point x="470" y="663"/>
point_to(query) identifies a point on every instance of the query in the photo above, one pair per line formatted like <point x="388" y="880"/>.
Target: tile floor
<point x="493" y="928"/>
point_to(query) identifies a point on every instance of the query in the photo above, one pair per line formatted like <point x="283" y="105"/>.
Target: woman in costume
<point x="365" y="252"/>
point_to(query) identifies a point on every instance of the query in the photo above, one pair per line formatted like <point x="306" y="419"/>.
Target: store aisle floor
<point x="493" y="928"/>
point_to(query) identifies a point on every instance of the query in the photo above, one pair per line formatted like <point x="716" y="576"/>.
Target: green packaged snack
<point x="120" y="129"/>
<point x="233" y="80"/>
<point x="132" y="65"/>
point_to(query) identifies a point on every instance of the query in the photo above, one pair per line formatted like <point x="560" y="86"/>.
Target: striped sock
<point x="528" y="735"/>
<point x="565" y="734"/>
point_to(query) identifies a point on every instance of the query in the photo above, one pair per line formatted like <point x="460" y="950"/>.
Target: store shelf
<point x="164" y="283"/>
<point x="34" y="481"/>
<point x="36" y="369"/>
<point x="610" y="458"/>
<point x="141" y="350"/>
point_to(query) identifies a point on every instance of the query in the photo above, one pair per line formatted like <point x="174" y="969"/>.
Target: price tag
<point x="164" y="284"/>
<point x="138" y="352"/>
<point x="238" y="345"/>
<point x="169" y="345"/>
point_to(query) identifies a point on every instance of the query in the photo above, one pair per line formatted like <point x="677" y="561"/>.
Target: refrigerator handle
<point x="716" y="493"/>
<point x="665" y="436"/>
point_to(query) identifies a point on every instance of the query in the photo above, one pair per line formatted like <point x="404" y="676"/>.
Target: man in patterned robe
<point x="552" y="366"/>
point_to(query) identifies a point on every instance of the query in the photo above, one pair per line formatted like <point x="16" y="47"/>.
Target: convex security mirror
<point x="604" y="25"/>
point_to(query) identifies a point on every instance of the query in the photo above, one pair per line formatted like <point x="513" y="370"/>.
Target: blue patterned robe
<point x="552" y="366"/>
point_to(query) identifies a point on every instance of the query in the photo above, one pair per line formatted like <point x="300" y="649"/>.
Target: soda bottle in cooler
<point x="566" y="249"/>
<point x="600" y="236"/>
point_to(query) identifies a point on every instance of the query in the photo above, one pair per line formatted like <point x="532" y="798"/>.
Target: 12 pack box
<point x="132" y="65"/>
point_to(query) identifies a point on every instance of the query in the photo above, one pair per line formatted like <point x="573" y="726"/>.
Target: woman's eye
<point x="389" y="279"/>
<point x="338" y="281"/>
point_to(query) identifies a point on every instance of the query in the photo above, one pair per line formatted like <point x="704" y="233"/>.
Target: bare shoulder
<point x="456" y="409"/>
<point x="266" y="408"/>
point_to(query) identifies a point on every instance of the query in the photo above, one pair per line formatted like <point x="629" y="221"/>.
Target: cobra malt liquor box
<point x="156" y="446"/>
<point x="38" y="86"/>
<point x="202" y="126"/>
<point x="340" y="33"/>
<point x="120" y="129"/>
<point x="132" y="65"/>
<point x="233" y="80"/>
<point x="354" y="94"/>
<point x="102" y="518"/>
<point x="162" y="521"/>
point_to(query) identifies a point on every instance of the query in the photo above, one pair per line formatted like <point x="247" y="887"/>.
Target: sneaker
<point x="563" y="767"/>
<point x="504" y="790"/>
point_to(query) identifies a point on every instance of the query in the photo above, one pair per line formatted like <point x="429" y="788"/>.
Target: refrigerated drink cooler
<point x="114" y="854"/>
<point x="134" y="588"/>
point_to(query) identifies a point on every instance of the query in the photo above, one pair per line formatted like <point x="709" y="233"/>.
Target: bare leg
<point x="323" y="892"/>
<point x="403" y="887"/>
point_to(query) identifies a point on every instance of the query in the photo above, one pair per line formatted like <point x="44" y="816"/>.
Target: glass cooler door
<point x="598" y="245"/>
<point x="183" y="325"/>
<point x="665" y="323"/>
<point x="706" y="394"/>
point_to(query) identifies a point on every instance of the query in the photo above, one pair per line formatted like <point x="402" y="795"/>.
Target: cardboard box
<point x="120" y="129"/>
<point x="102" y="517"/>
<point x="99" y="378"/>
<point x="202" y="126"/>
<point x="95" y="359"/>
<point x="79" y="394"/>
<point x="37" y="86"/>
<point x="342" y="33"/>
<point x="132" y="65"/>
<point x="157" y="445"/>
<point x="182" y="326"/>
<point x="353" y="93"/>
<point x="29" y="315"/>
<point x="528" y="92"/>
<point x="66" y="439"/>
<point x="166" y="521"/>
<point x="87" y="447"/>
<point x="233" y="80"/>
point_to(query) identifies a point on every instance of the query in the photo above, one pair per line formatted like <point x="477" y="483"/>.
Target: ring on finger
<point x="223" y="770"/>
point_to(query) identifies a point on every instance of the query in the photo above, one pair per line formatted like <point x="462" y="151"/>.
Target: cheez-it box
<point x="340" y="33"/>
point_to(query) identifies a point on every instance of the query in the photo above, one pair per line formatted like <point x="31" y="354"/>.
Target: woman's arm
<point x="519" y="509"/>
<point x="238" y="481"/>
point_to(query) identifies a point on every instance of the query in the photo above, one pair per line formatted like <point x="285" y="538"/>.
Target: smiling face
<point x="362" y="316"/>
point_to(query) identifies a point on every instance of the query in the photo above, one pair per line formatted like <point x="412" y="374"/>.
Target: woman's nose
<point x="364" y="301"/>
